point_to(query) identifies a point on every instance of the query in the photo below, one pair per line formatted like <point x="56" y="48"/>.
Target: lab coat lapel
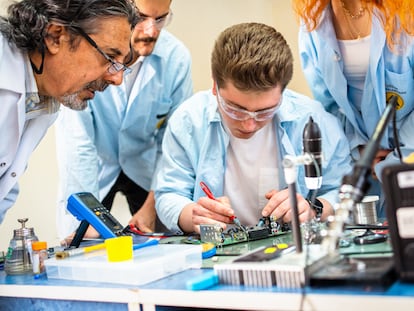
<point x="375" y="81"/>
<point x="146" y="73"/>
<point x="12" y="63"/>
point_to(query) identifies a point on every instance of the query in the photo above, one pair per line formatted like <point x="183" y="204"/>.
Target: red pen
<point x="207" y="190"/>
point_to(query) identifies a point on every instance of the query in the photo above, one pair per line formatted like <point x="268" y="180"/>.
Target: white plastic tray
<point x="149" y="264"/>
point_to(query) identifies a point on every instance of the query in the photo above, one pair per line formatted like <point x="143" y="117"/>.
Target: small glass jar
<point x="39" y="255"/>
<point x="19" y="254"/>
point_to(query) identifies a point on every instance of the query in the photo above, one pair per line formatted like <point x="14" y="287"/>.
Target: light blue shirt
<point x="388" y="73"/>
<point x="119" y="133"/>
<point x="195" y="147"/>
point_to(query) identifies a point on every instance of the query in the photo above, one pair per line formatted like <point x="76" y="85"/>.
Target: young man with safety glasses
<point x="235" y="136"/>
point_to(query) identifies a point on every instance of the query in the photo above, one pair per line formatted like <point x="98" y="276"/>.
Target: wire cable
<point x="396" y="139"/>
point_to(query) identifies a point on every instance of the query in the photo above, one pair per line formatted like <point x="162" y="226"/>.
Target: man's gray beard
<point x="73" y="101"/>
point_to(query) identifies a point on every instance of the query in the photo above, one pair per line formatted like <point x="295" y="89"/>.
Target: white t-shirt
<point x="251" y="172"/>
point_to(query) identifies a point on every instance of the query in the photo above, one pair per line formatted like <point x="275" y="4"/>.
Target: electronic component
<point x="257" y="233"/>
<point x="84" y="206"/>
<point x="398" y="185"/>
<point x="211" y="234"/>
<point x="267" y="269"/>
<point x="373" y="272"/>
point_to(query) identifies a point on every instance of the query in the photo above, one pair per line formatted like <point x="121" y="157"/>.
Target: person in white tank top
<point x="356" y="55"/>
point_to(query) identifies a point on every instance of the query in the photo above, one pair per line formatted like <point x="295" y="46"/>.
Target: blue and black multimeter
<point x="85" y="207"/>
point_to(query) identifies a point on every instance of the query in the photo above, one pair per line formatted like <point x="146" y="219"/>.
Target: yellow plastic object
<point x="282" y="245"/>
<point x="273" y="249"/>
<point x="409" y="159"/>
<point x="270" y="250"/>
<point x="119" y="248"/>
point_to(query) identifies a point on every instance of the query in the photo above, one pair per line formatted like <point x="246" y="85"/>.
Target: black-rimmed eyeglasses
<point x="115" y="66"/>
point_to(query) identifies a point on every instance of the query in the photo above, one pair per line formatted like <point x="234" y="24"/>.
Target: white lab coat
<point x="18" y="137"/>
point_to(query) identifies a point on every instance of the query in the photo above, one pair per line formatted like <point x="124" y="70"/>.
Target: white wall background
<point x="197" y="23"/>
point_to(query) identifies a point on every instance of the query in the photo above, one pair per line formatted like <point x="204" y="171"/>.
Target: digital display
<point x="89" y="200"/>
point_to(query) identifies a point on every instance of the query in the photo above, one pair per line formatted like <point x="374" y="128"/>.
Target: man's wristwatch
<point x="317" y="207"/>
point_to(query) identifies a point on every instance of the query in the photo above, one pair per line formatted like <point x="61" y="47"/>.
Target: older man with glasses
<point x="114" y="145"/>
<point x="46" y="59"/>
<point x="234" y="137"/>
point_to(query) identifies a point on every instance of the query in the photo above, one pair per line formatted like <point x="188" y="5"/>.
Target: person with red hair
<point x="355" y="55"/>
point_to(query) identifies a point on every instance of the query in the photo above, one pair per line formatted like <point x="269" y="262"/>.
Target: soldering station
<point x="352" y="248"/>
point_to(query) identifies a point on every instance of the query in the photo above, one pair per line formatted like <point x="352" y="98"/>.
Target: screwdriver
<point x="236" y="221"/>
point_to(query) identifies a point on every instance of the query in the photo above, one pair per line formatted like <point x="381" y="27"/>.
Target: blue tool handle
<point x="145" y="244"/>
<point x="204" y="281"/>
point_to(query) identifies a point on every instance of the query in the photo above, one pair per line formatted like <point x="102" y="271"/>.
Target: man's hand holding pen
<point x="209" y="211"/>
<point x="212" y="210"/>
